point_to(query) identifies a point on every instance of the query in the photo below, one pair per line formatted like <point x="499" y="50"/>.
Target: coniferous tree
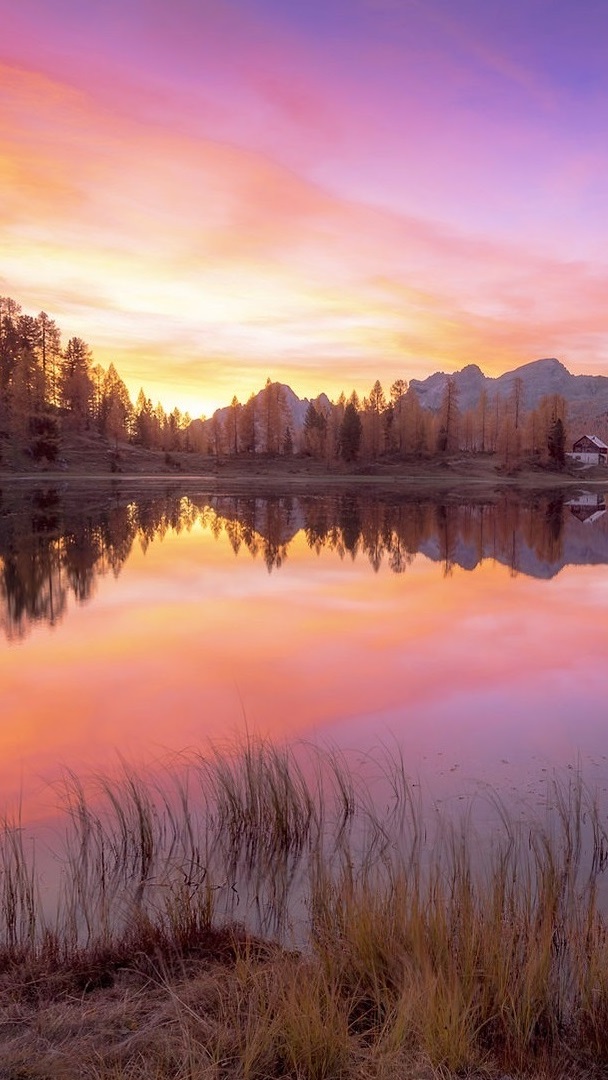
<point x="556" y="443"/>
<point x="350" y="433"/>
<point x="116" y="410"/>
<point x="482" y="422"/>
<point x="76" y="385"/>
<point x="49" y="348"/>
<point x="216" y="442"/>
<point x="248" y="426"/>
<point x="334" y="423"/>
<point x="447" y="438"/>
<point x="233" y="426"/>
<point x="398" y="392"/>
<point x="10" y="311"/>
<point x="315" y="431"/>
<point x="287" y="447"/>
<point x="274" y="417"/>
<point x="144" y="421"/>
<point x="376" y="405"/>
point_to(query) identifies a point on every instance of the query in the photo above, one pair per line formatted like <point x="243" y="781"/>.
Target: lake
<point x="142" y="619"/>
<point x="366" y="723"/>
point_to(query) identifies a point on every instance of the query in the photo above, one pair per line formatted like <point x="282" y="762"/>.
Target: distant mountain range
<point x="587" y="395"/>
<point x="538" y="378"/>
<point x="295" y="409"/>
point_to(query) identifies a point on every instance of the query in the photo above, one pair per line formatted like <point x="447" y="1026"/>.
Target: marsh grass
<point x="279" y="915"/>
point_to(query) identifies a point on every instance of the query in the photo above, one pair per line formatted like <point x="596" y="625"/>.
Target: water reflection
<point x="588" y="506"/>
<point x="56" y="544"/>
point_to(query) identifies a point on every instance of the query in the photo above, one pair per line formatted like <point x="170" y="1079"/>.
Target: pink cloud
<point x="260" y="250"/>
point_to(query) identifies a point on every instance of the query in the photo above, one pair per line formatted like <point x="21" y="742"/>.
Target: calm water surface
<point x="141" y="620"/>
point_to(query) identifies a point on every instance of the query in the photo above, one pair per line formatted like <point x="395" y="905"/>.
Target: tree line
<point x="393" y="427"/>
<point x="46" y="387"/>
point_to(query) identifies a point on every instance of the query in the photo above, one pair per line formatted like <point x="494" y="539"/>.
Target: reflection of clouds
<point x="191" y="642"/>
<point x="177" y="667"/>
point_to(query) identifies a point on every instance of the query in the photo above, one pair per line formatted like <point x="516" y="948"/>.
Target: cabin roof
<point x="596" y="442"/>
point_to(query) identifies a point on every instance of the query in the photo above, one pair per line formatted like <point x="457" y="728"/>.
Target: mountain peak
<point x="539" y="377"/>
<point x="550" y="363"/>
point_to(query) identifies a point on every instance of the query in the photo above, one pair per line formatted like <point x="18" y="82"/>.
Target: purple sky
<point x="326" y="193"/>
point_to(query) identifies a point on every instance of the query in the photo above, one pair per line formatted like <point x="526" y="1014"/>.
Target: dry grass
<point x="398" y="952"/>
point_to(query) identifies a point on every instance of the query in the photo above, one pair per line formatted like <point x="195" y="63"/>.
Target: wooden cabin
<point x="591" y="450"/>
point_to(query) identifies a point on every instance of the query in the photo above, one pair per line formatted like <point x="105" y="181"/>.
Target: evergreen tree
<point x="49" y="348"/>
<point x="274" y="416"/>
<point x="248" y="426"/>
<point x="116" y="410"/>
<point x="556" y="443"/>
<point x="315" y="431"/>
<point x="397" y="430"/>
<point x="376" y="405"/>
<point x="350" y="433"/>
<point x="10" y="311"/>
<point x="144" y="428"/>
<point x="233" y="426"/>
<point x="76" y="385"/>
<point x="447" y="439"/>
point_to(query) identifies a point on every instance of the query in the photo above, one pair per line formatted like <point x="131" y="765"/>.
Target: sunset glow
<point x="323" y="193"/>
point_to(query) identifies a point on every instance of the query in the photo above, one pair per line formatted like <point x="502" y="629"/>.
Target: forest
<point x="49" y="390"/>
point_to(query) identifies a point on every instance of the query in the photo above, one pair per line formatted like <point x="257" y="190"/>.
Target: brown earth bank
<point x="232" y="1008"/>
<point x="411" y="965"/>
<point x="90" y="456"/>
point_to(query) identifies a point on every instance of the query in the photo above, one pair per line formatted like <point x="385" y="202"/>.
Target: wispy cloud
<point x="261" y="209"/>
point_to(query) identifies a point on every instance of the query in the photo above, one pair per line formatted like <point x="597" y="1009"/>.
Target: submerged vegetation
<point x="278" y="913"/>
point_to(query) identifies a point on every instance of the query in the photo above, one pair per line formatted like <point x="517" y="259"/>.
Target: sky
<point x="323" y="192"/>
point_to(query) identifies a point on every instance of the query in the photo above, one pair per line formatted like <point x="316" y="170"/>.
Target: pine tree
<point x="556" y="443"/>
<point x="350" y="433"/>
<point x="76" y="385"/>
<point x="447" y="439"/>
<point x="116" y="410"/>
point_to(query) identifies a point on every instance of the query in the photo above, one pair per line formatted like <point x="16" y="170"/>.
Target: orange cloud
<point x="200" y="267"/>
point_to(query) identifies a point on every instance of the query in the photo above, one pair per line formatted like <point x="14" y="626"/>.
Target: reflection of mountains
<point x="54" y="545"/>
<point x="536" y="534"/>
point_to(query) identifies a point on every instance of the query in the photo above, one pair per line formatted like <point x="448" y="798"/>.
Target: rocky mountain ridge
<point x="587" y="395"/>
<point x="538" y="379"/>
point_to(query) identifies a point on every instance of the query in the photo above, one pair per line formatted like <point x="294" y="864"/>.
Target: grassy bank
<point x="271" y="913"/>
<point x="90" y="456"/>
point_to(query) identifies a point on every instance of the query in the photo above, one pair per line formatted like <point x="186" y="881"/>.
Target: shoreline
<point x="432" y="476"/>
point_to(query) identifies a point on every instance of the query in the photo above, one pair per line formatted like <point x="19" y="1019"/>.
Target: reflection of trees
<point x="30" y="587"/>
<point x="262" y="525"/>
<point x="447" y="533"/>
<point x="349" y="523"/>
<point x="54" y="546"/>
<point x="394" y="528"/>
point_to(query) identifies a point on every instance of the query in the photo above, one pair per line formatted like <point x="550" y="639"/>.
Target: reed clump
<point x="267" y="912"/>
